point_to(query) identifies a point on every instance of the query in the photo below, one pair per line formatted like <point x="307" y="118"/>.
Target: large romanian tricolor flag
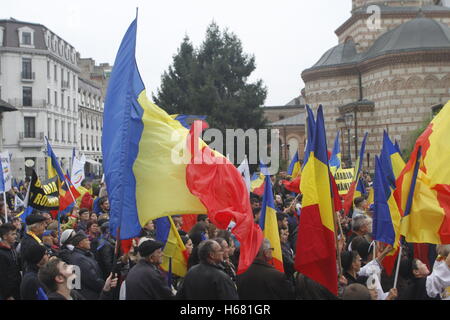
<point x="426" y="209"/>
<point x="149" y="168"/>
<point x="316" y="246"/>
<point x="269" y="225"/>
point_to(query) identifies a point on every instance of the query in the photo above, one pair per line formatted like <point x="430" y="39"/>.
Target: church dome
<point x="343" y="53"/>
<point x="419" y="34"/>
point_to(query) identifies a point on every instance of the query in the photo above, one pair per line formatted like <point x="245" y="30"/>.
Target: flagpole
<point x="398" y="266"/>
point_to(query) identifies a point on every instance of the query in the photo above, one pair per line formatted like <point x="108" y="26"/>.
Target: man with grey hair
<point x="262" y="281"/>
<point x="361" y="226"/>
<point x="208" y="280"/>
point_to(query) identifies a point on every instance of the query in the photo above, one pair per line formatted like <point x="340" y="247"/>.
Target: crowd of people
<point x="76" y="258"/>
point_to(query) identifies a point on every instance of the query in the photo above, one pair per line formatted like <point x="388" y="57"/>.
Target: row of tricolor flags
<point x="138" y="144"/>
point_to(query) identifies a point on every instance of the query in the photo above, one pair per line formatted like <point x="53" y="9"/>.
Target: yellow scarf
<point x="35" y="237"/>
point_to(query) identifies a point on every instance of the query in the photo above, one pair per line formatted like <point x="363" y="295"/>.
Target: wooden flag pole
<point x="398" y="266"/>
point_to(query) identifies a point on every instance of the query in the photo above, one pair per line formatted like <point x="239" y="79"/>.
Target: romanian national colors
<point x="257" y="183"/>
<point x="294" y="169"/>
<point x="269" y="225"/>
<point x="357" y="187"/>
<point x="147" y="161"/>
<point x="175" y="255"/>
<point x="335" y="160"/>
<point x="316" y="246"/>
<point x="427" y="220"/>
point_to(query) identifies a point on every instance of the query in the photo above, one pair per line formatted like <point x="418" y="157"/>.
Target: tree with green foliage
<point x="212" y="80"/>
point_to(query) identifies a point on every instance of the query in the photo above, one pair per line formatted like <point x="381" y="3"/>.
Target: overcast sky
<point x="286" y="36"/>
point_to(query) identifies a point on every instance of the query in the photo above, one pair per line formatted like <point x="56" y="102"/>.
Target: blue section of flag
<point x="2" y="179"/>
<point x="383" y="228"/>
<point x="320" y="140"/>
<point x="334" y="159"/>
<point x="122" y="131"/>
<point x="41" y="295"/>
<point x="266" y="202"/>
<point x="55" y="163"/>
<point x="162" y="226"/>
<point x="385" y="158"/>
<point x="311" y="125"/>
<point x="183" y="118"/>
<point x="292" y="165"/>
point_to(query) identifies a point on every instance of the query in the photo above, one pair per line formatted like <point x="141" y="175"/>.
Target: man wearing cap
<point x="91" y="275"/>
<point x="145" y="281"/>
<point x="66" y="248"/>
<point x="103" y="249"/>
<point x="36" y="257"/>
<point x="36" y="225"/>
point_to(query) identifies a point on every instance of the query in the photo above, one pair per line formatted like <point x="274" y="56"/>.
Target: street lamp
<point x="348" y="119"/>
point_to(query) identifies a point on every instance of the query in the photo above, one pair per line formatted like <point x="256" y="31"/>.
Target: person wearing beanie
<point x="84" y="220"/>
<point x="91" y="275"/>
<point x="145" y="281"/>
<point x="66" y="247"/>
<point x="30" y="287"/>
<point x="36" y="224"/>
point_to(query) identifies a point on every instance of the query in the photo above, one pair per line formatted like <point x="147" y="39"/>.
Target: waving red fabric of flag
<point x="219" y="186"/>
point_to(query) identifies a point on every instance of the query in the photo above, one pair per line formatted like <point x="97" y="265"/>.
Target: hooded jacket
<point x="10" y="276"/>
<point x="91" y="276"/>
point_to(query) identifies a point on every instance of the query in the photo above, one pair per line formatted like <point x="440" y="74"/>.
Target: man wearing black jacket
<point x="145" y="281"/>
<point x="208" y="280"/>
<point x="30" y="288"/>
<point x="91" y="276"/>
<point x="10" y="276"/>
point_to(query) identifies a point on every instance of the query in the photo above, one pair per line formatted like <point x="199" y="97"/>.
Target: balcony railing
<point x="19" y="103"/>
<point x="28" y="76"/>
<point x="31" y="139"/>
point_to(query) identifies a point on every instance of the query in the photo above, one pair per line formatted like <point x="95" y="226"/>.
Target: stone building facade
<point x="38" y="76"/>
<point x="91" y="107"/>
<point x="386" y="78"/>
<point x="289" y="120"/>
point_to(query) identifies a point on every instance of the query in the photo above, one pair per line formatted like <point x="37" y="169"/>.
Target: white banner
<point x="244" y="169"/>
<point x="77" y="174"/>
<point x="6" y="166"/>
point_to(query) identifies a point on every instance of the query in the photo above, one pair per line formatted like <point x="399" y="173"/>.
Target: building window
<point x="49" y="124"/>
<point x="48" y="69"/>
<point x="68" y="79"/>
<point x="56" y="130"/>
<point x="69" y="139"/>
<point x="68" y="103"/>
<point x="29" y="126"/>
<point x="74" y="105"/>
<point x="92" y="143"/>
<point x="56" y="99"/>
<point x="62" y="77"/>
<point x="63" y="124"/>
<point x="75" y="132"/>
<point x="82" y="143"/>
<point x="48" y="97"/>
<point x="26" y="38"/>
<point x="62" y="100"/>
<point x="27" y="96"/>
<point x="55" y="72"/>
<point x="26" y="69"/>
<point x="73" y="82"/>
